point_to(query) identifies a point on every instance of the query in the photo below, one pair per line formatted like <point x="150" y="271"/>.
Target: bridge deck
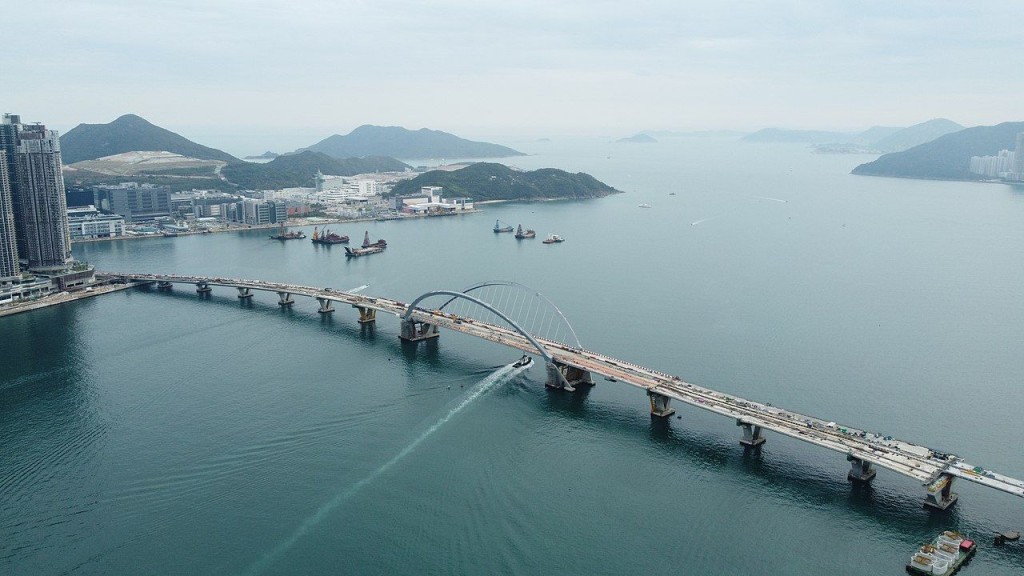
<point x="909" y="459"/>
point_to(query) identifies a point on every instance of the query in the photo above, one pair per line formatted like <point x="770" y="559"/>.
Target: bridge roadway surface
<point x="913" y="460"/>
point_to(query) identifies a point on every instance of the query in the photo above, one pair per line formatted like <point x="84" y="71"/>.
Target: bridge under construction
<point x="569" y="365"/>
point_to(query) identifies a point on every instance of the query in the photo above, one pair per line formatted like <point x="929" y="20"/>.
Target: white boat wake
<point x="488" y="383"/>
<point x="698" y="222"/>
<point x="772" y="199"/>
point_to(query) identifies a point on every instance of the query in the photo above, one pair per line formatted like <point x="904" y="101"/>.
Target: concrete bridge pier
<point x="203" y="288"/>
<point x="325" y="305"/>
<point x="661" y="405"/>
<point x="940" y="494"/>
<point x="164" y="286"/>
<point x="413" y="331"/>
<point x="244" y="293"/>
<point x="285" y="299"/>
<point x="366" y="315"/>
<point x="751" y="434"/>
<point x="567" y="377"/>
<point x="860" y="470"/>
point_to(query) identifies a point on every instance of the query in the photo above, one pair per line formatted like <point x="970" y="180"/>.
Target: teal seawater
<point x="162" y="433"/>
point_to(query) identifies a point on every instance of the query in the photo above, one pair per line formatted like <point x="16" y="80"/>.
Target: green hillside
<point x="948" y="157"/>
<point x="294" y="170"/>
<point x="130" y="133"/>
<point x="490" y="181"/>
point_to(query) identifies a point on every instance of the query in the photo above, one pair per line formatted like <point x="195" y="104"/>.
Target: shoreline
<point x="290" y="222"/>
<point x="61" y="298"/>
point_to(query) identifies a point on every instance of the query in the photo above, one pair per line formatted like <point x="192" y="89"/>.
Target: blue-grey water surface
<point x="162" y="433"/>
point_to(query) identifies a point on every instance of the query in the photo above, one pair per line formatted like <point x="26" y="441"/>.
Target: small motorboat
<point x="524" y="361"/>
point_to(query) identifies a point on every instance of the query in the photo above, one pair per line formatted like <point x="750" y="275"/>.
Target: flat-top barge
<point x="943" y="556"/>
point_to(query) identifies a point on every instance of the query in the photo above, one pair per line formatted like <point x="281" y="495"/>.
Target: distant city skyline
<point x="259" y="75"/>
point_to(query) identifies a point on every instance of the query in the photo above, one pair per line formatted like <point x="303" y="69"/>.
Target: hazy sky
<point x="251" y="75"/>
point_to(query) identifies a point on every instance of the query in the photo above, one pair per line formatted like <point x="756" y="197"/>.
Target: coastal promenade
<point x="570" y="366"/>
<point x="59" y="298"/>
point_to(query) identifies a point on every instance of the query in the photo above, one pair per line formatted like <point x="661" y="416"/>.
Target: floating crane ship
<point x="283" y="234"/>
<point x="499" y="228"/>
<point x="327" y="237"/>
<point x="368" y="247"/>
<point x="521" y="234"/>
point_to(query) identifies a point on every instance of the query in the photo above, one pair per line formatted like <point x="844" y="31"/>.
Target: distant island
<point x="947" y="157"/>
<point x="883" y="139"/>
<point x="637" y="139"/>
<point x="485" y="181"/>
<point x="268" y="155"/>
<point x="695" y="134"/>
<point x="399" y="142"/>
<point x="130" y="133"/>
<point x="874" y="140"/>
<point x="796" y="136"/>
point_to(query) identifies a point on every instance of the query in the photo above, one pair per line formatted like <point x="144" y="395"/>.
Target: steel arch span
<point x="527" y="290"/>
<point x="462" y="295"/>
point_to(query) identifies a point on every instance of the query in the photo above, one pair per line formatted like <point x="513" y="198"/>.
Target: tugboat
<point x="368" y="247"/>
<point x="521" y="234"/>
<point x="553" y="239"/>
<point x="327" y="237"/>
<point x="498" y="228"/>
<point x="285" y="235"/>
<point x="943" y="556"/>
<point x="524" y="361"/>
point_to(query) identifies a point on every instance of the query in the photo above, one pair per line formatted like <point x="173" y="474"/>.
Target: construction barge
<point x="367" y="248"/>
<point x="283" y="234"/>
<point x="327" y="237"/>
<point x="946" y="554"/>
<point x="524" y="234"/>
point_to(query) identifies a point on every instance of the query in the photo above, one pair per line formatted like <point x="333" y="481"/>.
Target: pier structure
<point x="569" y="365"/>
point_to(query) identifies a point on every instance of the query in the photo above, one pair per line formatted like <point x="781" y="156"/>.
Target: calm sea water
<point x="153" y="433"/>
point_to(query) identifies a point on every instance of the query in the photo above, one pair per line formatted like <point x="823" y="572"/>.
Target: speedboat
<point x="524" y="361"/>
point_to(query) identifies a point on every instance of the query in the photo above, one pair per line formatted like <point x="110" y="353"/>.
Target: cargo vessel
<point x="943" y="556"/>
<point x="521" y="234"/>
<point x="327" y="237"/>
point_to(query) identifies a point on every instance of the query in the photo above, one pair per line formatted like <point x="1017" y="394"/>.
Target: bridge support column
<point x="244" y="293"/>
<point x="413" y="331"/>
<point x="203" y="288"/>
<point x="366" y="315"/>
<point x="285" y="299"/>
<point x="164" y="285"/>
<point x="325" y="305"/>
<point x="661" y="405"/>
<point x="860" y="470"/>
<point x="567" y="377"/>
<point x="751" y="434"/>
<point x="940" y="492"/>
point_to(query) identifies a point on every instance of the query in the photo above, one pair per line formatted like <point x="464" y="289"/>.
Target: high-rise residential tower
<point x="1018" y="157"/>
<point x="37" y="194"/>
<point x="9" y="268"/>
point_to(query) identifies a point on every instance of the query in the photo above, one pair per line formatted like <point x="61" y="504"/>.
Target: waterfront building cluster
<point x="87" y="222"/>
<point x="430" y="200"/>
<point x="1006" y="165"/>
<point x="35" y="238"/>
